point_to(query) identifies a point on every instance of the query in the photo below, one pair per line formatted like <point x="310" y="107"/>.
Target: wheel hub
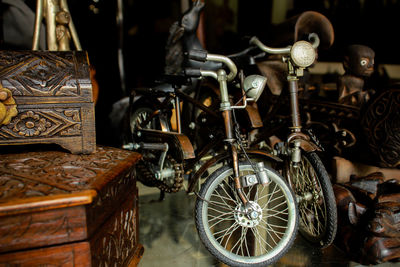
<point x="250" y="217"/>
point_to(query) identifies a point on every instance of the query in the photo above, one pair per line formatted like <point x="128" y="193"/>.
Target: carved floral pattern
<point x="30" y="124"/>
<point x="43" y="123"/>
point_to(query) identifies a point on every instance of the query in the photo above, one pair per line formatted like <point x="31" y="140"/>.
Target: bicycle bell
<point x="254" y="85"/>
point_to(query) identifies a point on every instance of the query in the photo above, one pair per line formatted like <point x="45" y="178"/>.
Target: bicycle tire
<point x="279" y="225"/>
<point x="316" y="199"/>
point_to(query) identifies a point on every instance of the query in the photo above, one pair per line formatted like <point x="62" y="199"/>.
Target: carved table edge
<point x="43" y="203"/>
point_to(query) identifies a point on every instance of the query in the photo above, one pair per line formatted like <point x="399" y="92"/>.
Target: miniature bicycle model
<point x="302" y="167"/>
<point x="246" y="214"/>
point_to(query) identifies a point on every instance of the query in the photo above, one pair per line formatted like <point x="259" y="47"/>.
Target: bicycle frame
<point x="296" y="136"/>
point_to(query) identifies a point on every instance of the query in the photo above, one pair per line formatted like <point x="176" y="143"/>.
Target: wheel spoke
<point x="234" y="236"/>
<point x="220" y="219"/>
<point x="275" y="215"/>
<point x="261" y="239"/>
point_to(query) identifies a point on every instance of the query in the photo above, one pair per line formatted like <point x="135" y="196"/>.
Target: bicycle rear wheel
<point x="239" y="239"/>
<point x="316" y="200"/>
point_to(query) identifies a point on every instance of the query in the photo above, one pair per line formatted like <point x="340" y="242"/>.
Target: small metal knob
<point x="8" y="106"/>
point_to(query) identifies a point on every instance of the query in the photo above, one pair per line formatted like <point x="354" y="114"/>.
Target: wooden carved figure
<point x="358" y="64"/>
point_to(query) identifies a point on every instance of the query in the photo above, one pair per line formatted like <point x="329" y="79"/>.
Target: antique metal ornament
<point x="60" y="29"/>
<point x="8" y="107"/>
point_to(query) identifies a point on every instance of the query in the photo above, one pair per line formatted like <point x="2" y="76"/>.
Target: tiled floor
<point x="168" y="234"/>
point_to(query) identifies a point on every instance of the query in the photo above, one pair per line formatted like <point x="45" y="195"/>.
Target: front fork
<point x="226" y="109"/>
<point x="261" y="175"/>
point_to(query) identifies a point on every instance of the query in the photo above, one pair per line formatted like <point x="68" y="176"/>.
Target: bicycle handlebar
<point x="270" y="50"/>
<point x="203" y="56"/>
<point x="302" y="53"/>
<point x="313" y="37"/>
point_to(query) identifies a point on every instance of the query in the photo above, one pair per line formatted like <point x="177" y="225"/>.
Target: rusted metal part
<point x="294" y="103"/>
<point x="236" y="175"/>
<point x="180" y="144"/>
<point x="147" y="177"/>
<point x="254" y="115"/>
<point x="304" y="141"/>
<point x="227" y="115"/>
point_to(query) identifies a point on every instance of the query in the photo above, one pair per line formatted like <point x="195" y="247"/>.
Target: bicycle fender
<point x="308" y="146"/>
<point x="225" y="156"/>
<point x="305" y="143"/>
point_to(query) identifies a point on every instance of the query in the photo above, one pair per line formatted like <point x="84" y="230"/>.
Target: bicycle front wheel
<point x="239" y="238"/>
<point x="316" y="200"/>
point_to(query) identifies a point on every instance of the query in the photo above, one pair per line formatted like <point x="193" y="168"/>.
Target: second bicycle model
<point x="302" y="166"/>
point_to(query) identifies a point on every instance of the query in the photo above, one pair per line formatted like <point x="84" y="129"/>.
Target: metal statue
<point x="60" y="29"/>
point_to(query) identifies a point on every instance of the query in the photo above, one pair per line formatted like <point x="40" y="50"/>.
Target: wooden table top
<point x="35" y="181"/>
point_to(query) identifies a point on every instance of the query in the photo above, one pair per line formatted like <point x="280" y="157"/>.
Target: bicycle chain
<point x="147" y="177"/>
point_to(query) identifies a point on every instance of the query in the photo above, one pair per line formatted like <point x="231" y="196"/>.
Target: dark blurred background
<point x="143" y="34"/>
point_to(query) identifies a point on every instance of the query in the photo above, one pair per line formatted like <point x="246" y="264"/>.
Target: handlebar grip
<point x="198" y="55"/>
<point x="192" y="72"/>
<point x="314" y="39"/>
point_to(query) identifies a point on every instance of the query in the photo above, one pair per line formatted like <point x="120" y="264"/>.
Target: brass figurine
<point x="8" y="107"/>
<point x="60" y="28"/>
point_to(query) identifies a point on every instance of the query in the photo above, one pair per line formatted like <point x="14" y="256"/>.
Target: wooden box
<point x="46" y="97"/>
<point x="61" y="209"/>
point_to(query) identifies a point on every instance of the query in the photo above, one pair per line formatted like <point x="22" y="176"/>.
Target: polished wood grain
<point x="77" y="255"/>
<point x="53" y="198"/>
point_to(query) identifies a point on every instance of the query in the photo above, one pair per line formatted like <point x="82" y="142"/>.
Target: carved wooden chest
<point x="61" y="209"/>
<point x="46" y="97"/>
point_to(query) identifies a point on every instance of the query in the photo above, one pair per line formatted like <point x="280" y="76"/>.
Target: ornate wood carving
<point x="54" y="197"/>
<point x="113" y="244"/>
<point x="381" y="125"/>
<point x="368" y="214"/>
<point x="46" y="74"/>
<point x="53" y="96"/>
<point x="65" y="171"/>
